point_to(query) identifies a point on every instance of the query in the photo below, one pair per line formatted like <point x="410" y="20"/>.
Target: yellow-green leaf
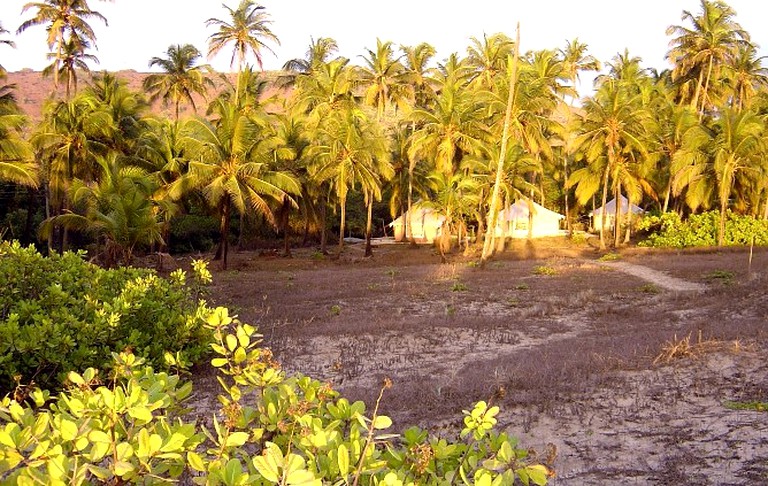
<point x="343" y="460"/>
<point x="123" y="468"/>
<point x="382" y="422"/>
<point x="236" y="439"/>
<point x="68" y="429"/>
<point x="195" y="461"/>
<point x="218" y="362"/>
<point x="231" y="342"/>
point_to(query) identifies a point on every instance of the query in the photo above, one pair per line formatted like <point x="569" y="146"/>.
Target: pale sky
<point x="141" y="29"/>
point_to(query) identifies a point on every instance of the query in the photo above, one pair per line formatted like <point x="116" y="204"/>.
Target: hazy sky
<point x="141" y="29"/>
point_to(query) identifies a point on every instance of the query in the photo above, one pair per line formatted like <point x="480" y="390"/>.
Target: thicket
<point x="270" y="429"/>
<point x="669" y="230"/>
<point x="60" y="314"/>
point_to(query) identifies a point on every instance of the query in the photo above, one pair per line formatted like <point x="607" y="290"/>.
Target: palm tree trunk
<point x="223" y="250"/>
<point x="343" y="203"/>
<point x="324" y="227"/>
<point x="368" y="225"/>
<point x="721" y="226"/>
<point x="488" y="244"/>
<point x="408" y="215"/>
<point x="617" y="218"/>
<point x="603" y="216"/>
<point x="284" y="223"/>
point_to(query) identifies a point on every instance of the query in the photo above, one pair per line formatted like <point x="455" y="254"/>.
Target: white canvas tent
<point x="425" y="225"/>
<point x="610" y="213"/>
<point x="514" y="221"/>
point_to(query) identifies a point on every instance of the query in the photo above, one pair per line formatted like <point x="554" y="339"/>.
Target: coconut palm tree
<point x="382" y="75"/>
<point x="488" y="58"/>
<point x="117" y="210"/>
<point x="454" y="126"/>
<point x="576" y="60"/>
<point x="4" y="42"/>
<point x="736" y="148"/>
<point x="350" y="150"/>
<point x="700" y="52"/>
<point x="319" y="51"/>
<point x="745" y="76"/>
<point x="70" y="59"/>
<point x="230" y="162"/>
<point x="64" y="20"/>
<point x="248" y="30"/>
<point x="16" y="157"/>
<point x="612" y="139"/>
<point x="416" y="61"/>
<point x="182" y="78"/>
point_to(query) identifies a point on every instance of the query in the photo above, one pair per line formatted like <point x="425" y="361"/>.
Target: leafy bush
<point x="669" y="230"/>
<point x="271" y="429"/>
<point x="60" y="313"/>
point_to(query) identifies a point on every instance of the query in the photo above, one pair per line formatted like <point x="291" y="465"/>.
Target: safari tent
<point x="525" y="218"/>
<point x="610" y="213"/>
<point x="425" y="225"/>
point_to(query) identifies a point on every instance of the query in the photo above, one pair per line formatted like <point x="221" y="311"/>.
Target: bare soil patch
<point x="569" y="338"/>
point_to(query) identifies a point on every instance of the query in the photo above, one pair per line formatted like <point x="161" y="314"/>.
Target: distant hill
<point x="32" y="90"/>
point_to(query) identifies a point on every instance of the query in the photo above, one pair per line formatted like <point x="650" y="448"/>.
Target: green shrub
<point x="669" y="230"/>
<point x="270" y="429"/>
<point x="60" y="313"/>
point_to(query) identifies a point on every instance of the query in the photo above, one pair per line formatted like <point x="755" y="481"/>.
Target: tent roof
<point x="610" y="207"/>
<point x="519" y="210"/>
<point x="418" y="214"/>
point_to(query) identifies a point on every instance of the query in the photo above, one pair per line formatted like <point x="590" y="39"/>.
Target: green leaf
<point x="68" y="429"/>
<point x="57" y="467"/>
<point x="124" y="451"/>
<point x="231" y="342"/>
<point x="219" y="362"/>
<point x="123" y="468"/>
<point x="268" y="464"/>
<point x="142" y="414"/>
<point x="233" y="471"/>
<point x="343" y="460"/>
<point x="239" y="355"/>
<point x="174" y="443"/>
<point x="195" y="461"/>
<point x="236" y="439"/>
<point x="382" y="422"/>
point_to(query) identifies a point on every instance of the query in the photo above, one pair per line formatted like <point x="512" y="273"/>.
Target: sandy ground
<point x="572" y="340"/>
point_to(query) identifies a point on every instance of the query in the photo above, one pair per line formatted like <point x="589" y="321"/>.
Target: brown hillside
<point x="32" y="90"/>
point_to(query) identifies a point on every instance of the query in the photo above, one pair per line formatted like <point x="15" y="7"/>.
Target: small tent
<point x="526" y="218"/>
<point x="425" y="225"/>
<point x="610" y="213"/>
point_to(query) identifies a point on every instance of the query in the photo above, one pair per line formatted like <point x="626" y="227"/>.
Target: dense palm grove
<point x="99" y="169"/>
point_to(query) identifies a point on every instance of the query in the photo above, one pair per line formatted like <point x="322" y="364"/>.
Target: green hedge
<point x="670" y="231"/>
<point x="60" y="313"/>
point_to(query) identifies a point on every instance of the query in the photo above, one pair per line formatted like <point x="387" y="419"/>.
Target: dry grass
<point x="683" y="348"/>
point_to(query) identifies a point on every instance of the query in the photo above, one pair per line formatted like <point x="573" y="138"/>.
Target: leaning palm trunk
<point x="488" y="244"/>
<point x="408" y="215"/>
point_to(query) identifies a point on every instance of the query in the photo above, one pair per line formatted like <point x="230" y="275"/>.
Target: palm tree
<point x="319" y="52"/>
<point x="736" y="148"/>
<point x="416" y="63"/>
<point x="746" y="76"/>
<point x="349" y="151"/>
<point x="612" y="139"/>
<point x="4" y="42"/>
<point x="181" y="78"/>
<point x="16" y="157"/>
<point x="382" y="77"/>
<point x="453" y="127"/>
<point x="65" y="20"/>
<point x="229" y="160"/>
<point x="71" y="58"/>
<point x="117" y="210"/>
<point x="700" y="52"/>
<point x="488" y="58"/>
<point x="576" y="60"/>
<point x="248" y="30"/>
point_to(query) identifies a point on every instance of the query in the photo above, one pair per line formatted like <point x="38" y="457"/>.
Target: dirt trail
<point x="655" y="277"/>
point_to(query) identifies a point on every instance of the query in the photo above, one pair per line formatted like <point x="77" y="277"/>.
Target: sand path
<point x="655" y="277"/>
